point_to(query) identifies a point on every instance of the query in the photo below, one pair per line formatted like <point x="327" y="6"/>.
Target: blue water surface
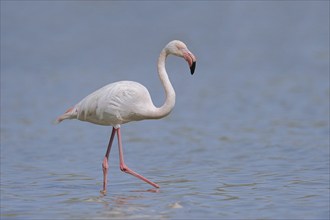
<point x="247" y="139"/>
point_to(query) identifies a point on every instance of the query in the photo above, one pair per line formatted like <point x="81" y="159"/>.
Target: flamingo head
<point x="178" y="48"/>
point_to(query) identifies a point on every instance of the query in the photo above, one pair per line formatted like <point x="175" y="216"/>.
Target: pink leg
<point x="105" y="166"/>
<point x="123" y="166"/>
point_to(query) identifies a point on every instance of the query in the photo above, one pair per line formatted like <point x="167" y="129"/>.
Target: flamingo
<point x="125" y="101"/>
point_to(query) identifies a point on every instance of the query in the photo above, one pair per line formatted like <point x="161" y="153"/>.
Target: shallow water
<point x="248" y="138"/>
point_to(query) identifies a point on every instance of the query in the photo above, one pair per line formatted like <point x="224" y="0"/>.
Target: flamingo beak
<point x="191" y="59"/>
<point x="192" y="68"/>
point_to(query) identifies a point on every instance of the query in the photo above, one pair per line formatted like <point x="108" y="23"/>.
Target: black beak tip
<point x="192" y="68"/>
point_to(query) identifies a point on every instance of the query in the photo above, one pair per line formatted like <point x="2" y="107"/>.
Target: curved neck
<point x="167" y="107"/>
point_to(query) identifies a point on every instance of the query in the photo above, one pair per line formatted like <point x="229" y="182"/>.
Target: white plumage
<point x="115" y="104"/>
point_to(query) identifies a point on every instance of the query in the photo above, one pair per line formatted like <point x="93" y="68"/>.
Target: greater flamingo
<point x="124" y="101"/>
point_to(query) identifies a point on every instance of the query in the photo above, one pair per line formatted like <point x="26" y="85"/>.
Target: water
<point x="248" y="138"/>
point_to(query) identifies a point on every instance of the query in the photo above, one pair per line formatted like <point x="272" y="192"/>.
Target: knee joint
<point x="124" y="168"/>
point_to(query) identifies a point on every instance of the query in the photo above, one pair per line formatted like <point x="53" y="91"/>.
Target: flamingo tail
<point x="71" y="113"/>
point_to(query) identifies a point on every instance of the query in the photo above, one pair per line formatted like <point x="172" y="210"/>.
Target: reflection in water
<point x="118" y="206"/>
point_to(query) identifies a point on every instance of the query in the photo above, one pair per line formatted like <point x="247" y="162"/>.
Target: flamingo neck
<point x="167" y="107"/>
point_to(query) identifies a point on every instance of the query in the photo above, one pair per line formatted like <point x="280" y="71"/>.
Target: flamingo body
<point x="114" y="104"/>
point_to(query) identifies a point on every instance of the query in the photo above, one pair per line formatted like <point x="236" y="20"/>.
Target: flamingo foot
<point x="125" y="169"/>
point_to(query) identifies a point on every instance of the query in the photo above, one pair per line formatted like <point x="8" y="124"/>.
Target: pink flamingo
<point x="124" y="101"/>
